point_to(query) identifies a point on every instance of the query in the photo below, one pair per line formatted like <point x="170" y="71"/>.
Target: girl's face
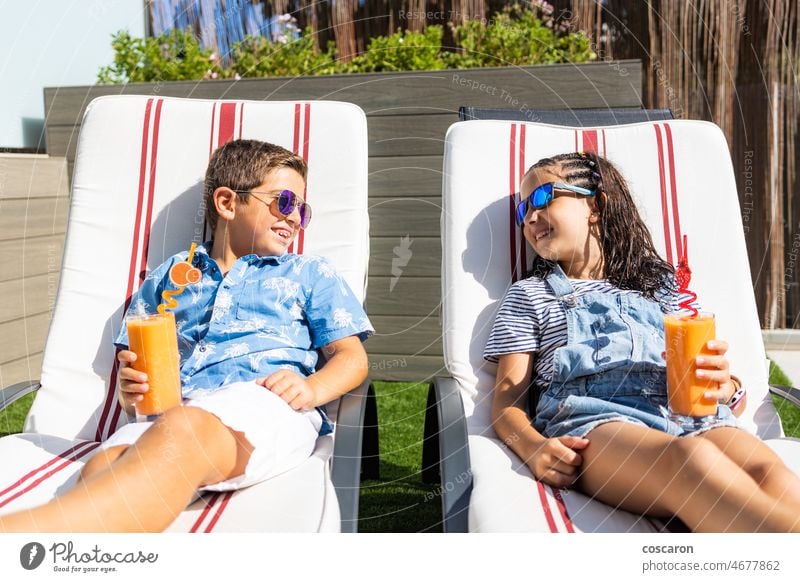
<point x="565" y="231"/>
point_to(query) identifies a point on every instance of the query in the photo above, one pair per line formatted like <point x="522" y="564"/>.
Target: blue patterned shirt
<point x="267" y="313"/>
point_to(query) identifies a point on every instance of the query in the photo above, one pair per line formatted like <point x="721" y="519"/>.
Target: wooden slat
<point x="21" y="370"/>
<point x="30" y="256"/>
<point x="415" y="217"/>
<point x="24" y="297"/>
<point x="396" y="368"/>
<point x="31" y="218"/>
<point x="544" y="87"/>
<point x="405" y="176"/>
<point x="387" y="254"/>
<point x="409" y="336"/>
<point x="412" y="296"/>
<point x="22" y="337"/>
<point x="32" y="176"/>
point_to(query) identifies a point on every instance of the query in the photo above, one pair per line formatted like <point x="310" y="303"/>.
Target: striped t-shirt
<point x="532" y="319"/>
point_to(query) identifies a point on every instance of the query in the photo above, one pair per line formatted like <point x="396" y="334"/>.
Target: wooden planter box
<point x="408" y="114"/>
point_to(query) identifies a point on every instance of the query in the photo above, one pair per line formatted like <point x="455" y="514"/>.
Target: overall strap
<point x="559" y="283"/>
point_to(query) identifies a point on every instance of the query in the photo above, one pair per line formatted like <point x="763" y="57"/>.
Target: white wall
<point x="49" y="43"/>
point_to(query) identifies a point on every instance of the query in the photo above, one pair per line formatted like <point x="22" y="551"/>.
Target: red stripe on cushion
<point x="548" y="515"/>
<point x="209" y="504"/>
<point x="33" y="472"/>
<point x="211" y="147"/>
<point x="603" y="131"/>
<point x="511" y="199"/>
<point x="306" y="133"/>
<point x="241" y="119"/>
<point x="225" y="499"/>
<point x="296" y="149"/>
<point x="676" y="219"/>
<point x="227" y="119"/>
<point x="50" y="473"/>
<point x="562" y="509"/>
<point x="590" y="141"/>
<point x="662" y="178"/>
<point x="523" y="244"/>
<point x="576" y="140"/>
<point x="150" y="193"/>
<point x="111" y="388"/>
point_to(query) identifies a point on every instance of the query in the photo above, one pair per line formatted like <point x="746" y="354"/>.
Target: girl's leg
<point x="647" y="471"/>
<point x="759" y="461"/>
<point x="146" y="488"/>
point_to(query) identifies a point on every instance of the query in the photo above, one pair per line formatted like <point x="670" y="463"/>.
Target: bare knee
<point x="693" y="458"/>
<point x="102" y="460"/>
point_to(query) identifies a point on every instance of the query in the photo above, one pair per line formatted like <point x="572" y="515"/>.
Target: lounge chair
<point x="683" y="182"/>
<point x="136" y="200"/>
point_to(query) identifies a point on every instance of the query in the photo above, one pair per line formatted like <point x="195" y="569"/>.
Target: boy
<point x="248" y="335"/>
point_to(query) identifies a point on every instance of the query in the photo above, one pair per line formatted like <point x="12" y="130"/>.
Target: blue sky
<point x="48" y="43"/>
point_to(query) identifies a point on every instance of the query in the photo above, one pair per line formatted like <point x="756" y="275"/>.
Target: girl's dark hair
<point x="631" y="260"/>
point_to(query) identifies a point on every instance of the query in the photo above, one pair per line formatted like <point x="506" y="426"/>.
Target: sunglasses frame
<point x="304" y="208"/>
<point x="548" y="191"/>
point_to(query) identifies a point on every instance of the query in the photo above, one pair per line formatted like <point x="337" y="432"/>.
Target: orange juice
<point x="154" y="340"/>
<point x="686" y="338"/>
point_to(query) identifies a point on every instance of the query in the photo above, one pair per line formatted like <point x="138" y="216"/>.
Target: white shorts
<point x="282" y="438"/>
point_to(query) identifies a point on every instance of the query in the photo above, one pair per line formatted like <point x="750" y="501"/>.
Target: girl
<point x="601" y="423"/>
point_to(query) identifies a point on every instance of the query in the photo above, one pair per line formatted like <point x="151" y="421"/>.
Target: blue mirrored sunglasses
<point x="544" y="195"/>
<point x="287" y="202"/>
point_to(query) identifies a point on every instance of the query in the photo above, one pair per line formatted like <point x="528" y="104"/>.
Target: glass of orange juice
<point x="154" y="340"/>
<point x="686" y="339"/>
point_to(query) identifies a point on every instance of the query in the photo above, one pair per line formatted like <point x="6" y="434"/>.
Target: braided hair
<point x="631" y="261"/>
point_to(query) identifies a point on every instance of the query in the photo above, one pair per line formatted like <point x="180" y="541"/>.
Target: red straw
<point x="683" y="275"/>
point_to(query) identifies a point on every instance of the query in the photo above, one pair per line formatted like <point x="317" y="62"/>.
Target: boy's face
<point x="257" y="226"/>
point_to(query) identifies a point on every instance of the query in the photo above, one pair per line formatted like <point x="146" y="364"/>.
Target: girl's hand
<point x="556" y="461"/>
<point x="291" y="387"/>
<point x="715" y="368"/>
<point x="132" y="384"/>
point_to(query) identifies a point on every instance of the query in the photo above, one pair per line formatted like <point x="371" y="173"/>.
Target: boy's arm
<point x="345" y="368"/>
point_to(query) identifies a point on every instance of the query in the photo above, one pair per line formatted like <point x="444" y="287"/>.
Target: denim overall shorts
<point x="611" y="368"/>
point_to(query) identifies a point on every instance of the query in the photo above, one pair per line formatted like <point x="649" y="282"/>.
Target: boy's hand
<point x="132" y="383"/>
<point x="556" y="461"/>
<point x="291" y="387"/>
<point x="715" y="368"/>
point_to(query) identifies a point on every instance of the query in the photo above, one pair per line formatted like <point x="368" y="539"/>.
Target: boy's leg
<point x="102" y="461"/>
<point x="759" y="461"/>
<point x="647" y="471"/>
<point x="151" y="484"/>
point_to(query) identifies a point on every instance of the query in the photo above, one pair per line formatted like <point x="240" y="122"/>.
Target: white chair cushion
<point x="136" y="200"/>
<point x="681" y="178"/>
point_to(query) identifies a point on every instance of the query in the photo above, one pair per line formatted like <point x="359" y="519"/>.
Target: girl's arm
<point x="551" y="460"/>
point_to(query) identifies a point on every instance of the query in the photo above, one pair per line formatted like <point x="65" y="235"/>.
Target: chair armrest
<point x="11" y="394"/>
<point x="355" y="450"/>
<point x="445" y="453"/>
<point x="788" y="392"/>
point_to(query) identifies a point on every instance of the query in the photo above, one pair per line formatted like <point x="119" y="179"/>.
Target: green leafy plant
<point x="515" y="36"/>
<point x="402" y="51"/>
<point x="174" y="56"/>
<point x="260" y="57"/>
<point x="518" y="36"/>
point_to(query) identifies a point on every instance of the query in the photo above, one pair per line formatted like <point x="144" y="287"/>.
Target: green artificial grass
<point x="399" y="501"/>
<point x="13" y="418"/>
<point x="789" y="413"/>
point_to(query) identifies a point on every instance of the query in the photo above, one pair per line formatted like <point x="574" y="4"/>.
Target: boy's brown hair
<point x="242" y="165"/>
